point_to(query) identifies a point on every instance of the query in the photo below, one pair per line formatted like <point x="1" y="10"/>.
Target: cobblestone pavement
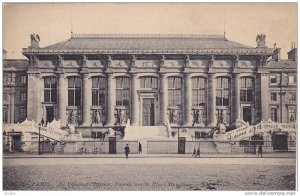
<point x="149" y="174"/>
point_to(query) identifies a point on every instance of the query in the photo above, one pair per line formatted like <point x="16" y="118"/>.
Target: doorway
<point x="148" y="112"/>
<point x="16" y="143"/>
<point x="49" y="114"/>
<point x="181" y="145"/>
<point x="112" y="145"/>
<point x="247" y="117"/>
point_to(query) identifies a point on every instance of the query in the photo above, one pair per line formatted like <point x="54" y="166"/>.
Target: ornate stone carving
<point x="174" y="116"/>
<point x="97" y="116"/>
<point x="35" y="40"/>
<point x="261" y="40"/>
<point x="121" y="116"/>
<point x="198" y="116"/>
<point x="73" y="116"/>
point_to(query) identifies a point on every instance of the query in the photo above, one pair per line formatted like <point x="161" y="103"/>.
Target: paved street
<point x="149" y="173"/>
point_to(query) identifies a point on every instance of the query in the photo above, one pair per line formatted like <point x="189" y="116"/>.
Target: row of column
<point x="111" y="99"/>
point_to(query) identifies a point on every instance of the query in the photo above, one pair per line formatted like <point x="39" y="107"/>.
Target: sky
<point x="242" y="21"/>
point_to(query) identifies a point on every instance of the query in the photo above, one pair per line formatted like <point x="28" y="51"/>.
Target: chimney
<point x="292" y="55"/>
<point x="276" y="54"/>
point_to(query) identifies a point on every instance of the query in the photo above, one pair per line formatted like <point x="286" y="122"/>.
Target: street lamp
<point x="39" y="151"/>
<point x="254" y="142"/>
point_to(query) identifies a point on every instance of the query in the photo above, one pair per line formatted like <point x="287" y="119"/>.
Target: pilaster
<point x="111" y="99"/>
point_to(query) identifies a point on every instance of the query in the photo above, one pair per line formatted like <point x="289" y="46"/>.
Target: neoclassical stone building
<point x="194" y="81"/>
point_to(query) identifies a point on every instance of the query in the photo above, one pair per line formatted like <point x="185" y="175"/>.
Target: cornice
<point x="248" y="51"/>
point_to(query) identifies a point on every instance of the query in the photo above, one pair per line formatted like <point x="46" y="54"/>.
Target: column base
<point x="85" y="125"/>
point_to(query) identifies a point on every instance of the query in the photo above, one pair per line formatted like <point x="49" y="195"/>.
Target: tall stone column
<point x="33" y="97"/>
<point x="187" y="100"/>
<point x="111" y="99"/>
<point x="163" y="98"/>
<point x="211" y="108"/>
<point x="237" y="107"/>
<point x="12" y="107"/>
<point x="134" y="100"/>
<point x="265" y="94"/>
<point x="87" y="100"/>
<point x="62" y="98"/>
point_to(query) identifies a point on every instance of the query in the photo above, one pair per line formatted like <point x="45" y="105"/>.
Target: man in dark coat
<point x="259" y="152"/>
<point x="127" y="150"/>
<point x="140" y="148"/>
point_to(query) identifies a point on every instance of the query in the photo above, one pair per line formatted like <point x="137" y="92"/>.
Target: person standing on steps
<point x="140" y="148"/>
<point x="198" y="152"/>
<point x="127" y="150"/>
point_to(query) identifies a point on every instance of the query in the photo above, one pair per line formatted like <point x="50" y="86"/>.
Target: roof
<point x="147" y="43"/>
<point x="16" y="63"/>
<point x="282" y="64"/>
<point x="141" y="42"/>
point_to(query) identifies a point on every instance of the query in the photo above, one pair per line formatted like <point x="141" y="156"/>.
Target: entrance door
<point x="181" y="145"/>
<point x="148" y="112"/>
<point x="247" y="114"/>
<point x="49" y="114"/>
<point x="280" y="142"/>
<point x="16" y="145"/>
<point x="112" y="145"/>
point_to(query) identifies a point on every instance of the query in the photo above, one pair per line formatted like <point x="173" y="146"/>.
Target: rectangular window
<point x="174" y="91"/>
<point x="98" y="91"/>
<point x="23" y="114"/>
<point x="23" y="79"/>
<point x="23" y="97"/>
<point x="292" y="79"/>
<point x="274" y="114"/>
<point x="222" y="97"/>
<point x="5" y="114"/>
<point x="247" y="88"/>
<point x="273" y="96"/>
<point x="50" y="90"/>
<point x="74" y="91"/>
<point x="273" y="79"/>
<point x="149" y="82"/>
<point x="122" y="91"/>
<point x="199" y="91"/>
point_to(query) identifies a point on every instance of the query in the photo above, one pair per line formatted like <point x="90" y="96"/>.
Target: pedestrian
<point x="140" y="148"/>
<point x="194" y="153"/>
<point x="52" y="148"/>
<point x="198" y="152"/>
<point x="127" y="150"/>
<point x="259" y="152"/>
<point x="42" y="121"/>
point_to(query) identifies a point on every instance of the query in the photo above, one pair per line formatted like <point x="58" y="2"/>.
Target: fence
<point x="216" y="147"/>
<point x="82" y="147"/>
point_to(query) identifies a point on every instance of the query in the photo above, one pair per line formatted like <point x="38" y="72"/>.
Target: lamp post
<point x="254" y="143"/>
<point x="39" y="150"/>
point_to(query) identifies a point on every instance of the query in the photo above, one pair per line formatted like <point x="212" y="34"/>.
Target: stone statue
<point x="98" y="116"/>
<point x="261" y="40"/>
<point x="35" y="40"/>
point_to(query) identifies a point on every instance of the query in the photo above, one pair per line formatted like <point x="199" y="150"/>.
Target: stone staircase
<point x="229" y="141"/>
<point x="146" y="133"/>
<point x="52" y="130"/>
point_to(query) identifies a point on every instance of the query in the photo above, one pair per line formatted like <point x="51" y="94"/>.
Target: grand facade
<point x="192" y="81"/>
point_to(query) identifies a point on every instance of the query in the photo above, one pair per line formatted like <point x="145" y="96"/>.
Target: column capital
<point x="163" y="75"/>
<point x="86" y="75"/>
<point x="62" y="75"/>
<point x="211" y="75"/>
<point x="235" y="75"/>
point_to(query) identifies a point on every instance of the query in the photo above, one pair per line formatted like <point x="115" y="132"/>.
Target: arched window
<point x="122" y="91"/>
<point x="149" y="82"/>
<point x="223" y="87"/>
<point x="174" y="91"/>
<point x="199" y="91"/>
<point x="247" y="89"/>
<point x="74" y="91"/>
<point x="98" y="91"/>
<point x="50" y="90"/>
